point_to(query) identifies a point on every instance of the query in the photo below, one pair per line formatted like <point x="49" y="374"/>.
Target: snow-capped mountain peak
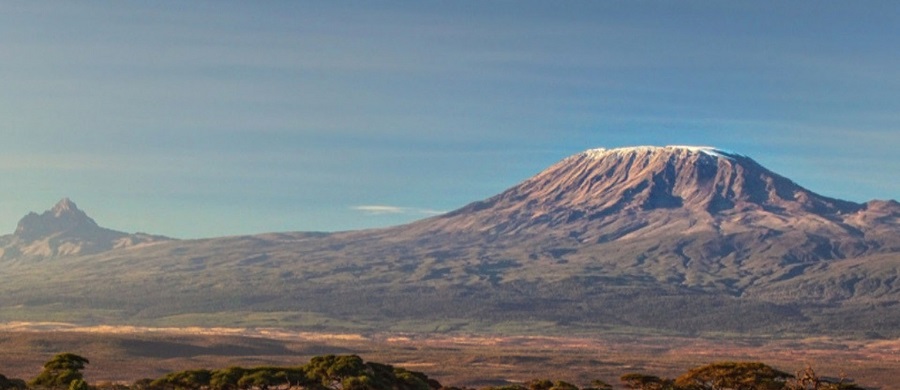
<point x="599" y="153"/>
<point x="715" y="188"/>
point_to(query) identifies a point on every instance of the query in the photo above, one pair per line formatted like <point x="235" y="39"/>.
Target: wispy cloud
<point x="393" y="210"/>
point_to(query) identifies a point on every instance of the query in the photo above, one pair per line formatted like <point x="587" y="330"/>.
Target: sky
<point x="214" y="118"/>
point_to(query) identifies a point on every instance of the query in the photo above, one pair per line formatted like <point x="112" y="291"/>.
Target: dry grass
<point x="129" y="353"/>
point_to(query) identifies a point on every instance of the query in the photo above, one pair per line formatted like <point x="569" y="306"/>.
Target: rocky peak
<point x="63" y="217"/>
<point x="64" y="206"/>
<point x="65" y="230"/>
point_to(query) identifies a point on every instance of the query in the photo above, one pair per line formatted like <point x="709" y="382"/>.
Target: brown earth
<point x="124" y="354"/>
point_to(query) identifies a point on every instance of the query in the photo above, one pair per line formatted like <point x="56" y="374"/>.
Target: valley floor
<point x="129" y="353"/>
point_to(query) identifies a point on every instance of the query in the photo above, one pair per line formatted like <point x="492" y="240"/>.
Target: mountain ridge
<point x="675" y="239"/>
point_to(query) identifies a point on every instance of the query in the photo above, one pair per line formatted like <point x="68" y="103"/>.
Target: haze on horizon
<point x="201" y="119"/>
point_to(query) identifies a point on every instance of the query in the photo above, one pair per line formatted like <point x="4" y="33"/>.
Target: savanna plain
<point x="123" y="354"/>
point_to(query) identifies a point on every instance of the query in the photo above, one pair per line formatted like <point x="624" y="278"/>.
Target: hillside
<point x="659" y="239"/>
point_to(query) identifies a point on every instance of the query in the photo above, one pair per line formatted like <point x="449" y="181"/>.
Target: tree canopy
<point x="351" y="372"/>
<point x="733" y="376"/>
<point x="60" y="371"/>
<point x="11" y="383"/>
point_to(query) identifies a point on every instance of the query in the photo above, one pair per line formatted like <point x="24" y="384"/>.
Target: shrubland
<point x="351" y="372"/>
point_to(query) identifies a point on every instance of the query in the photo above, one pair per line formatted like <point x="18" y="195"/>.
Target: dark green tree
<point x="226" y="379"/>
<point x="142" y="384"/>
<point x="259" y="379"/>
<point x="184" y="380"/>
<point x="60" y="371"/>
<point x="331" y="370"/>
<point x="411" y="380"/>
<point x="597" y="384"/>
<point x="638" y="381"/>
<point x="733" y="376"/>
<point x="350" y="372"/>
<point x="79" y="384"/>
<point x="11" y="383"/>
<point x="506" y="387"/>
<point x="546" y="384"/>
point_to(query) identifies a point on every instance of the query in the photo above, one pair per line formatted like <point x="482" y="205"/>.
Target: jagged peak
<point x="65" y="230"/>
<point x="64" y="216"/>
<point x="65" y="205"/>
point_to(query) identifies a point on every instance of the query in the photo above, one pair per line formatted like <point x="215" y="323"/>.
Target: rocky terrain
<point x="655" y="239"/>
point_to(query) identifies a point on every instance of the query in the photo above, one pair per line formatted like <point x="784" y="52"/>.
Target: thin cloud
<point x="379" y="209"/>
<point x="394" y="210"/>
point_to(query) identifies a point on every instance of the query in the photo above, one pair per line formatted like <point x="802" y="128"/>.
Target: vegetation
<point x="329" y="372"/>
<point x="350" y="372"/>
<point x="11" y="384"/>
<point x="647" y="382"/>
<point x="736" y="376"/>
<point x="546" y="287"/>
<point x="63" y="371"/>
<point x="733" y="375"/>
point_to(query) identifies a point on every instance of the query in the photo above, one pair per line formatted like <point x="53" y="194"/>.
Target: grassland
<point x="365" y="281"/>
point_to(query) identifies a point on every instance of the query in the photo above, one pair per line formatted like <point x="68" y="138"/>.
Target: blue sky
<point x="200" y="119"/>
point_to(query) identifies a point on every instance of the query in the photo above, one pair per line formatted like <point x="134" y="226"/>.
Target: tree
<point x="639" y="381"/>
<point x="332" y="370"/>
<point x="597" y="384"/>
<point x="733" y="376"/>
<point x="259" y="379"/>
<point x="11" y="383"/>
<point x="60" y="371"/>
<point x="349" y="372"/>
<point x="143" y="384"/>
<point x="411" y="380"/>
<point x="561" y="385"/>
<point x="226" y="379"/>
<point x="506" y="387"/>
<point x="78" y="384"/>
<point x="539" y="384"/>
<point x="808" y="380"/>
<point x="188" y="379"/>
<point x="546" y="384"/>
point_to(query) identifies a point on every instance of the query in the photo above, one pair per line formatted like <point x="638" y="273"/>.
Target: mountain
<point x="690" y="209"/>
<point x="673" y="239"/>
<point x="705" y="184"/>
<point x="65" y="230"/>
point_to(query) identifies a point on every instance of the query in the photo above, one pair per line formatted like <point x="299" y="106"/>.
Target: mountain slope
<point x="680" y="239"/>
<point x="699" y="216"/>
<point x="722" y="191"/>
